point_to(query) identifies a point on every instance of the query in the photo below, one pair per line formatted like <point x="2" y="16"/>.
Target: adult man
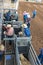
<point x="10" y="32"/>
<point x="26" y="30"/>
<point x="28" y="20"/>
<point x="34" y="13"/>
<point x="7" y="15"/>
<point x="25" y="16"/>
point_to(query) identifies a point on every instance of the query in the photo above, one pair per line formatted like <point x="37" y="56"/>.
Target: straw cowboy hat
<point x="8" y="26"/>
<point x="2" y="47"/>
<point x="24" y="25"/>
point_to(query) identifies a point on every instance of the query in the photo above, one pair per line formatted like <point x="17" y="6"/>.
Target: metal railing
<point x="17" y="56"/>
<point x="32" y="56"/>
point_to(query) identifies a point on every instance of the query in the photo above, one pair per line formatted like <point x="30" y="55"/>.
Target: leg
<point x="28" y="25"/>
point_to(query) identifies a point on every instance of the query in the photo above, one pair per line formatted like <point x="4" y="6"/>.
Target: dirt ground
<point x="36" y="23"/>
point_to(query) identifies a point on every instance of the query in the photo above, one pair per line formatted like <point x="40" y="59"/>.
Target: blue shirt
<point x="8" y="16"/>
<point x="27" y="32"/>
<point x="25" y="17"/>
<point x="34" y="12"/>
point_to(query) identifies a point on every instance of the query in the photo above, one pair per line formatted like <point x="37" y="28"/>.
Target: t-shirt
<point x="25" y="17"/>
<point x="34" y="12"/>
<point x="27" y="32"/>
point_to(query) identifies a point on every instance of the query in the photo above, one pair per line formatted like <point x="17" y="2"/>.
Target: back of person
<point x="25" y="16"/>
<point x="8" y="16"/>
<point x="34" y="13"/>
<point x="27" y="32"/>
<point x="10" y="32"/>
<point x="28" y="20"/>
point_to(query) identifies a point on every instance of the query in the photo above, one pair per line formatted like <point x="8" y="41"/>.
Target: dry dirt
<point x="36" y="23"/>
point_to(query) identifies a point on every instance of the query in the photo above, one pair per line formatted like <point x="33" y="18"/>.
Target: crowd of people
<point x="8" y="16"/>
<point x="27" y="19"/>
<point x="9" y="31"/>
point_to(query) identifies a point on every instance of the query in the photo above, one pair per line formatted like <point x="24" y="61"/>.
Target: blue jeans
<point x="1" y="54"/>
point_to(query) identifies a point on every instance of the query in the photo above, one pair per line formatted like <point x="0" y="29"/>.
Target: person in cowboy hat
<point x="10" y="32"/>
<point x="28" y="20"/>
<point x="2" y="49"/>
<point x="25" y="16"/>
<point x="26" y="30"/>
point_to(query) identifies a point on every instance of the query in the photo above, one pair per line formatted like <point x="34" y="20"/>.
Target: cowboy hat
<point x="8" y="26"/>
<point x="24" y="25"/>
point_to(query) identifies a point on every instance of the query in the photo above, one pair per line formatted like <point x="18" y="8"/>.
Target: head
<point x="24" y="26"/>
